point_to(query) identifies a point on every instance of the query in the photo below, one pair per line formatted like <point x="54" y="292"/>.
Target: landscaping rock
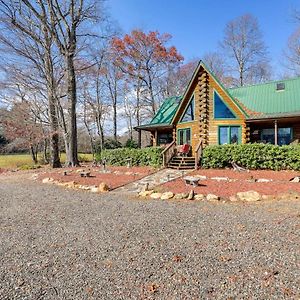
<point x="250" y="196"/>
<point x="201" y="177"/>
<point x="220" y="178"/>
<point x="199" y="197"/>
<point x="212" y="197"/>
<point x="70" y="184"/>
<point x="295" y="179"/>
<point x="263" y="180"/>
<point x="233" y="199"/>
<point x="155" y="195"/>
<point x="103" y="187"/>
<point x="191" y="195"/>
<point x="145" y="193"/>
<point x="48" y="180"/>
<point x="94" y="189"/>
<point x="167" y="195"/>
<point x="181" y="196"/>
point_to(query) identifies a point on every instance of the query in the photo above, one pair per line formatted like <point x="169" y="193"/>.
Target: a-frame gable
<point x="190" y="90"/>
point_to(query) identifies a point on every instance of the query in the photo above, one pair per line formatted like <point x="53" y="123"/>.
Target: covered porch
<point x="275" y="129"/>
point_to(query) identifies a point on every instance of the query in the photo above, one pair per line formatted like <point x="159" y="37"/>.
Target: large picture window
<point x="221" y="110"/>
<point x="189" y="114"/>
<point x="229" y="135"/>
<point x="284" y="135"/>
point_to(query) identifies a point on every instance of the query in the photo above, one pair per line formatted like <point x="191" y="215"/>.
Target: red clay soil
<point x="241" y="182"/>
<point x="116" y="177"/>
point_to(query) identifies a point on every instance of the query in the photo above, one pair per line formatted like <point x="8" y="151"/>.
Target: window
<point x="164" y="138"/>
<point x="229" y="135"/>
<point x="221" y="110"/>
<point x="284" y="135"/>
<point x="189" y="113"/>
<point x="184" y="136"/>
<point x="280" y="86"/>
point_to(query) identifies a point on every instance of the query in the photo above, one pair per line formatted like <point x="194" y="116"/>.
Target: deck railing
<point x="168" y="153"/>
<point x="198" y="153"/>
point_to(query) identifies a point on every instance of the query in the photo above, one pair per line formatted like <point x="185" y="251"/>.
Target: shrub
<point x="131" y="144"/>
<point x="138" y="157"/>
<point x="253" y="156"/>
<point x="112" y="144"/>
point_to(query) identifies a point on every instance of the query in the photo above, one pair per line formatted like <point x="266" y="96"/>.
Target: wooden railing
<point x="198" y="153"/>
<point x="168" y="153"/>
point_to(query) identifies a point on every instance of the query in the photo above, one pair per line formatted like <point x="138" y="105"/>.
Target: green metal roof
<point x="263" y="98"/>
<point x="166" y="111"/>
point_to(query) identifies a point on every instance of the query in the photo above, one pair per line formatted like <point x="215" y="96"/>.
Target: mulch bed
<point x="115" y="176"/>
<point x="242" y="181"/>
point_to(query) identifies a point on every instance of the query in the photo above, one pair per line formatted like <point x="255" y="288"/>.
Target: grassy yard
<point x="19" y="160"/>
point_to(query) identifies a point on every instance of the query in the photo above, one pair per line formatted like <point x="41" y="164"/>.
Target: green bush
<point x="253" y="156"/>
<point x="131" y="144"/>
<point x="112" y="144"/>
<point x="139" y="157"/>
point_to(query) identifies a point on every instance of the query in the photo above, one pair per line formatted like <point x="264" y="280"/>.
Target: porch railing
<point x="198" y="153"/>
<point x="168" y="153"/>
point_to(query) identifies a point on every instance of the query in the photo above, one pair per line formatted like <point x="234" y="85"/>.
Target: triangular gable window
<point x="189" y="114"/>
<point x="221" y="110"/>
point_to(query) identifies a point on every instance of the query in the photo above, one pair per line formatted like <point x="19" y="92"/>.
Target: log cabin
<point x="210" y="114"/>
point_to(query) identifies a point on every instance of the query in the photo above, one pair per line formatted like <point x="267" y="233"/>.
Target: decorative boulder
<point x="94" y="189"/>
<point x="295" y="179"/>
<point x="199" y="197"/>
<point x="103" y="187"/>
<point x="145" y="193"/>
<point x="233" y="199"/>
<point x="191" y="195"/>
<point x="250" y="196"/>
<point x="167" y="195"/>
<point x="181" y="196"/>
<point x="48" y="180"/>
<point x="212" y="197"/>
<point x="156" y="195"/>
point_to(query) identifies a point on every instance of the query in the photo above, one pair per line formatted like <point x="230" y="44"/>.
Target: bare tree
<point x="292" y="51"/>
<point x="32" y="41"/>
<point x="216" y="64"/>
<point x="245" y="50"/>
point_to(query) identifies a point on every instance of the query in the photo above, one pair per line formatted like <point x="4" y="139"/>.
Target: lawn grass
<point x="8" y="161"/>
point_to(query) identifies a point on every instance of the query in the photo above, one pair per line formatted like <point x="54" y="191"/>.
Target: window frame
<point x="192" y="98"/>
<point x="239" y="142"/>
<point x="291" y="134"/>
<point x="214" y="109"/>
<point x="184" y="136"/>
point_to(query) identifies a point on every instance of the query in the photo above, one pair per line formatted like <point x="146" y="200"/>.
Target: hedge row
<point x="253" y="156"/>
<point x="138" y="157"/>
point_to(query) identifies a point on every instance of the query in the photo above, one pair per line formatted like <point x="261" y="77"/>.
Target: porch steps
<point x="182" y="163"/>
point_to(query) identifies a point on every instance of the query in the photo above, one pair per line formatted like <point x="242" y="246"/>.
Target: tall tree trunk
<point x="33" y="154"/>
<point x="72" y="156"/>
<point x="52" y="102"/>
<point x="138" y="117"/>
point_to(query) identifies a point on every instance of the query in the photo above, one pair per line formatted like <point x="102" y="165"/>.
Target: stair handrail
<point x="198" y="153"/>
<point x="168" y="153"/>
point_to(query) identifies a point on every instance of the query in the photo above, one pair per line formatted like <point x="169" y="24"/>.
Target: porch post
<point x="155" y="138"/>
<point x="276" y="132"/>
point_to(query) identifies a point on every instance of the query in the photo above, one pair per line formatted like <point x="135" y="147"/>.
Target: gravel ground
<point x="64" y="244"/>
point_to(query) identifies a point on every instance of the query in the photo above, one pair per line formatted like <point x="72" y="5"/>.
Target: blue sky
<point x="197" y="26"/>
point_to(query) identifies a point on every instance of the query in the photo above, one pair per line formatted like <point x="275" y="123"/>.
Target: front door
<point x="184" y="136"/>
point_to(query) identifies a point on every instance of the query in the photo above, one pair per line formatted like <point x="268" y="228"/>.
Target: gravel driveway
<point x="64" y="244"/>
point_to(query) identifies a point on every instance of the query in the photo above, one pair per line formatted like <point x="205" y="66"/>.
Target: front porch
<point x="276" y="131"/>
